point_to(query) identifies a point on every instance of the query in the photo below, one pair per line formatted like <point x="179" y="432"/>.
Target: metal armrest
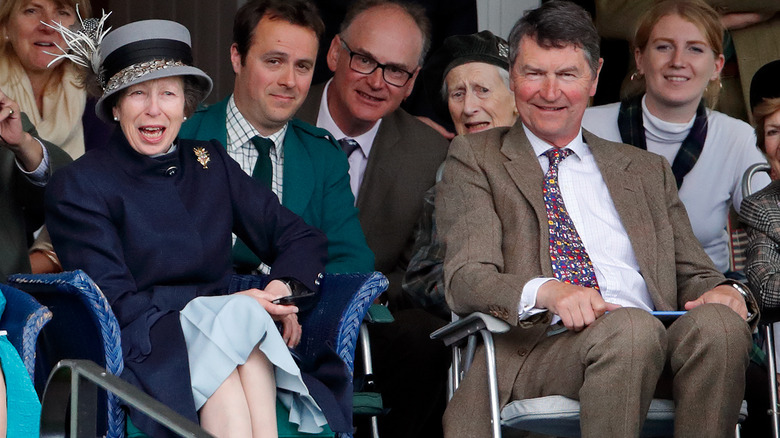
<point x="461" y="329"/>
<point x="455" y="333"/>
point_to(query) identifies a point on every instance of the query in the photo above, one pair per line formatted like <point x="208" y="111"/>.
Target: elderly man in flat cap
<point x="468" y="79"/>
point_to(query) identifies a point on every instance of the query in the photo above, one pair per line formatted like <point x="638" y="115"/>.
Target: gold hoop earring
<point x="636" y="75"/>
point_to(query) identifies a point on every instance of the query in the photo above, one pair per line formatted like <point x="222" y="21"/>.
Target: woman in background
<point x="53" y="97"/>
<point x="679" y="56"/>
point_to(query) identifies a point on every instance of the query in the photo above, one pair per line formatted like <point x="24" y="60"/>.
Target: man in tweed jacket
<point x="601" y="347"/>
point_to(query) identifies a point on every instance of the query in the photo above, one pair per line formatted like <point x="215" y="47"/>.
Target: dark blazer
<point x="315" y="185"/>
<point x="154" y="233"/>
<point x="401" y="167"/>
<point x="760" y="213"/>
<point x="492" y="216"/>
<point x="21" y="205"/>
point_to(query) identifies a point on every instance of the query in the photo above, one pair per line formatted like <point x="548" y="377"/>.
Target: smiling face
<point x="552" y="87"/>
<point x="389" y="36"/>
<point x="274" y="78"/>
<point x="30" y="39"/>
<point x="677" y="63"/>
<point x="151" y="113"/>
<point x="478" y="98"/>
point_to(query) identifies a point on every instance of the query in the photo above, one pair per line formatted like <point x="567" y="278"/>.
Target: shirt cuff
<point x="39" y="176"/>
<point x="528" y="307"/>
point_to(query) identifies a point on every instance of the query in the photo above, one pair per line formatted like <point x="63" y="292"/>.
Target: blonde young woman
<point x="679" y="56"/>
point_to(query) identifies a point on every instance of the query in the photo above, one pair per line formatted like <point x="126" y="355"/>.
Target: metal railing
<point x="69" y="406"/>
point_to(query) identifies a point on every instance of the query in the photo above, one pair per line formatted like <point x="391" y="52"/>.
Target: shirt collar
<point x="577" y="145"/>
<point x="325" y="121"/>
<point x="240" y="131"/>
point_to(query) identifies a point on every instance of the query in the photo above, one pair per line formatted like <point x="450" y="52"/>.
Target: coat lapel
<point x="629" y="198"/>
<point x="523" y="167"/>
<point x="381" y="168"/>
<point x="298" y="184"/>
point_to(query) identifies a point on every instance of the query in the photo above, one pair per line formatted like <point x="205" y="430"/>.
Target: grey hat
<point x="458" y="50"/>
<point x="143" y="51"/>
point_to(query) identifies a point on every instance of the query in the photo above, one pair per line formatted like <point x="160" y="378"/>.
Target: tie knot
<point x="349" y="145"/>
<point x="556" y="155"/>
<point x="263" y="145"/>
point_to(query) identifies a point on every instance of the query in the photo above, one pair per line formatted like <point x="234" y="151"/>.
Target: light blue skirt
<point x="221" y="332"/>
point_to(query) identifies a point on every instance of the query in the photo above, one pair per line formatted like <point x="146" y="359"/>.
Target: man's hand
<point x="440" y="129"/>
<point x="741" y="20"/>
<point x="723" y="294"/>
<point x="577" y="306"/>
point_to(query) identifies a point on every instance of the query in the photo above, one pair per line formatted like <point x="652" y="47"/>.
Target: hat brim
<point x="205" y="85"/>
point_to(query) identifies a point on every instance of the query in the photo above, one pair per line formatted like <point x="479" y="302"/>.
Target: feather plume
<point x="83" y="42"/>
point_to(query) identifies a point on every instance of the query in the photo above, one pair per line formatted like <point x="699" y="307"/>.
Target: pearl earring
<point x="116" y="119"/>
<point x="185" y="118"/>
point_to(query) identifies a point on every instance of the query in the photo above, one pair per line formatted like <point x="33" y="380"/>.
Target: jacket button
<point x="522" y="352"/>
<point x="171" y="171"/>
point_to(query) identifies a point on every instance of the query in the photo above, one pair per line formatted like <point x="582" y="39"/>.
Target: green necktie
<point x="243" y="257"/>
<point x="262" y="171"/>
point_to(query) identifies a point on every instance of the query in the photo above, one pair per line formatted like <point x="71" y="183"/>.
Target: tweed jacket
<point x="401" y="168"/>
<point x="492" y="217"/>
<point x="154" y="233"/>
<point x="761" y="215"/>
<point x="315" y="185"/>
<point x="21" y="205"/>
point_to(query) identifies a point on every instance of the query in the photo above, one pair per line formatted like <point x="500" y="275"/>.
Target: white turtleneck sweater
<point x="714" y="183"/>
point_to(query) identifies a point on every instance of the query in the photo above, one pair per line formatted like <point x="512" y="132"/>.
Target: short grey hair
<point x="502" y="73"/>
<point x="557" y="24"/>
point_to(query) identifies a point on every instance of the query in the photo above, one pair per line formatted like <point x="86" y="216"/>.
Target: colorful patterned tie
<point x="570" y="261"/>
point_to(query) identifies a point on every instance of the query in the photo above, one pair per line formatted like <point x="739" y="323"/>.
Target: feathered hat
<point x="131" y="54"/>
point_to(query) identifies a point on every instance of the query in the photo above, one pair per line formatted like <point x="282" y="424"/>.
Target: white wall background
<point x="498" y="16"/>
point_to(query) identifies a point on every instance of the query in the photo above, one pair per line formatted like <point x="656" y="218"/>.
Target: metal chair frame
<point x="767" y="322"/>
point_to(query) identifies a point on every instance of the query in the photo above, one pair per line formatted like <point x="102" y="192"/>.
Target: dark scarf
<point x="632" y="131"/>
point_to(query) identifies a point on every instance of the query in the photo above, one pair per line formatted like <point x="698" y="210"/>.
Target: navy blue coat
<point x="154" y="233"/>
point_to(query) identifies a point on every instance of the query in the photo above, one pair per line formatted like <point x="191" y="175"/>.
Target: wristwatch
<point x="748" y="296"/>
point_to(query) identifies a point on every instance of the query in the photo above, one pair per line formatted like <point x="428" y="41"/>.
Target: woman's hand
<point x="28" y="151"/>
<point x="291" y="330"/>
<point x="286" y="314"/>
<point x="265" y="298"/>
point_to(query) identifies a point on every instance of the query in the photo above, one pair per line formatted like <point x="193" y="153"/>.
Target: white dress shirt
<point x="359" y="159"/>
<point x="593" y="213"/>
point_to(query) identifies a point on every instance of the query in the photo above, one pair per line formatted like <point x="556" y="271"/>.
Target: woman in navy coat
<point x="150" y="218"/>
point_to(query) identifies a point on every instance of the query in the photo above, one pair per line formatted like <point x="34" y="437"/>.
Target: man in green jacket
<point x="273" y="53"/>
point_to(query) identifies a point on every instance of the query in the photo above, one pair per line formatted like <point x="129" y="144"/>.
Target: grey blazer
<point x="493" y="219"/>
<point x="402" y="166"/>
<point x="21" y="206"/>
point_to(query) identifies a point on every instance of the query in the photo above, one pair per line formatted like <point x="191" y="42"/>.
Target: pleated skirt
<point x="220" y="333"/>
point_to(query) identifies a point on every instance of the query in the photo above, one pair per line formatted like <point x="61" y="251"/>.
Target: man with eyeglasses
<point x="393" y="158"/>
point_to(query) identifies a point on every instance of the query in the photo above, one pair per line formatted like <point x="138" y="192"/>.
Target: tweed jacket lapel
<point x="523" y="167"/>
<point x="629" y="198"/>
<point x="297" y="184"/>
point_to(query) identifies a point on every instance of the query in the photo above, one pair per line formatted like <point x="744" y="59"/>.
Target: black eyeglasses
<point x="366" y="65"/>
